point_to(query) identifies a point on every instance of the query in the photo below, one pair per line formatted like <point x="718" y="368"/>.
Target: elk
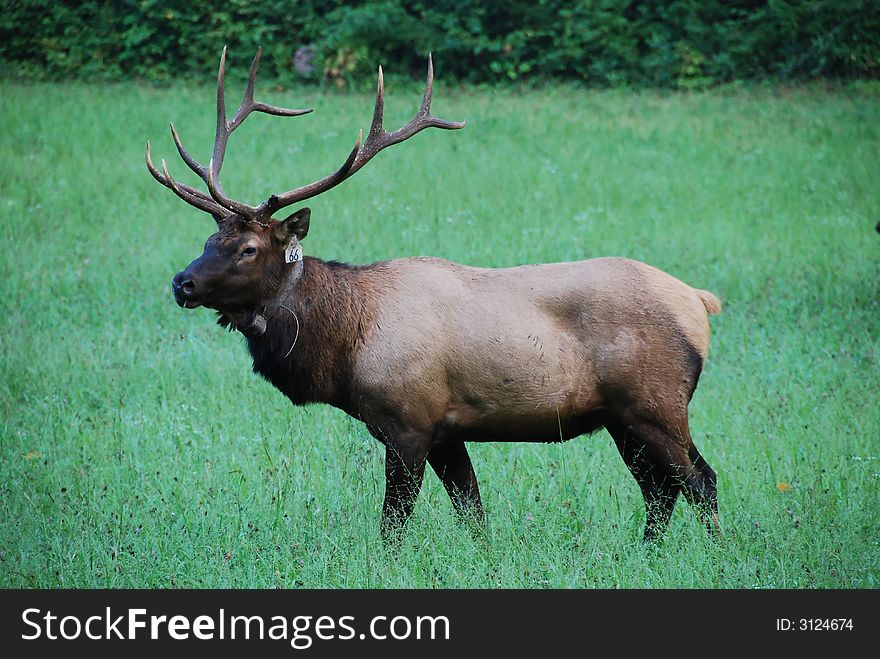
<point x="430" y="354"/>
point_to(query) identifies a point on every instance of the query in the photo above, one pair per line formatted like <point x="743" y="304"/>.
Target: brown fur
<point x="430" y="354"/>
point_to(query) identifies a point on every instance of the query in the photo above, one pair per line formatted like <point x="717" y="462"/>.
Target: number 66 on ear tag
<point x="293" y="253"/>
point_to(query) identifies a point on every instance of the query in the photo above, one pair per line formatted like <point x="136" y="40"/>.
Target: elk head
<point x="254" y="260"/>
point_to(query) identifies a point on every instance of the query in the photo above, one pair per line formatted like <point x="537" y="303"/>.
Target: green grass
<point x="138" y="450"/>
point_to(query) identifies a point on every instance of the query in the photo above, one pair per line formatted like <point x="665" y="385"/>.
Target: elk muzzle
<point x="183" y="286"/>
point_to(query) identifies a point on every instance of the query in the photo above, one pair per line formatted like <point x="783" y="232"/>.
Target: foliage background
<point x="678" y="44"/>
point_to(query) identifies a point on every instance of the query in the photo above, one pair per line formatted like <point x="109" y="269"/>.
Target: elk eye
<point x="249" y="251"/>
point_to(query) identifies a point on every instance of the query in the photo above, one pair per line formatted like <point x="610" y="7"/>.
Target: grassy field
<point x="138" y="450"/>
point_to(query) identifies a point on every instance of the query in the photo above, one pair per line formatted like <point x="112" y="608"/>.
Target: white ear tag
<point x="293" y="252"/>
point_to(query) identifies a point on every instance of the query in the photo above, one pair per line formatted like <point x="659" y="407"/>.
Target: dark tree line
<point x="676" y="44"/>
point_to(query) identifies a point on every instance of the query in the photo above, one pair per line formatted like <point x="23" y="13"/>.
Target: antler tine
<point x="171" y="182"/>
<point x="252" y="77"/>
<point x="425" y="108"/>
<point x="224" y="130"/>
<point x="379" y="109"/>
<point x="429" y="88"/>
<point x="377" y="139"/>
<point x="222" y="127"/>
<point x="191" y="162"/>
<point x="248" y="104"/>
<point x="190" y="195"/>
<point x="221" y="135"/>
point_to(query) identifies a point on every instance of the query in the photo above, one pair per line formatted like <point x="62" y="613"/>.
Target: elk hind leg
<point x="711" y="483"/>
<point x="659" y="489"/>
<point x="672" y="448"/>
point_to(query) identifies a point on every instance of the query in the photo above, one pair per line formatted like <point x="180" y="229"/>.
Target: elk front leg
<point x="404" y="469"/>
<point x="452" y="464"/>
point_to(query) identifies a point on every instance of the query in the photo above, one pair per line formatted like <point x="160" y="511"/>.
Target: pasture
<point x="138" y="449"/>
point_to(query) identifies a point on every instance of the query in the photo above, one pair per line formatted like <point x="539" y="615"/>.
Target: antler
<point x="377" y="139"/>
<point x="219" y="205"/>
<point x="190" y="195"/>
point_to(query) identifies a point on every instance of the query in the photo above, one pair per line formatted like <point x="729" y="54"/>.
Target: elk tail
<point x="710" y="301"/>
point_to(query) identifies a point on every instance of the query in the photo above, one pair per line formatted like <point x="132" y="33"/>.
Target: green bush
<point x="682" y="43"/>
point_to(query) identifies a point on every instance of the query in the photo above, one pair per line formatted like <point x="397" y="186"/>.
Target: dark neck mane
<point x="320" y="328"/>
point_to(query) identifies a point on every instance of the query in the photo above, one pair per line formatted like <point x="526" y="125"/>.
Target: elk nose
<point x="183" y="284"/>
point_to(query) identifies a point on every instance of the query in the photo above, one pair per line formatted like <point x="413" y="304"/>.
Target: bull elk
<point x="430" y="354"/>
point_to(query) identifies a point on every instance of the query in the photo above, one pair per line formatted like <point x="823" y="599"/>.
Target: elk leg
<point x="659" y="489"/>
<point x="700" y="481"/>
<point x="710" y="480"/>
<point x="674" y="452"/>
<point x="451" y="462"/>
<point x="404" y="469"/>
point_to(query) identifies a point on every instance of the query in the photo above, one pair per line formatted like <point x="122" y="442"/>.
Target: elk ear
<point x="294" y="226"/>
